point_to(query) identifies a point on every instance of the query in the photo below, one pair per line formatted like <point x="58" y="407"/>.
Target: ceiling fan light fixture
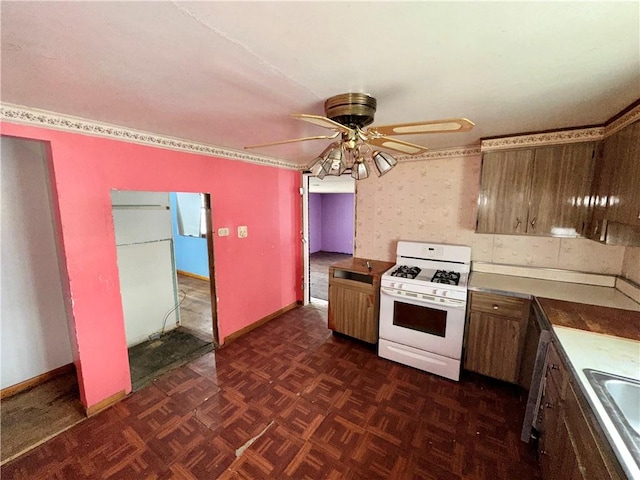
<point x="360" y="169"/>
<point x="383" y="162"/>
<point x="335" y="163"/>
<point x="319" y="166"/>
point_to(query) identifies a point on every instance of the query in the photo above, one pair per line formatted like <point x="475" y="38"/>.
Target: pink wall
<point x="255" y="276"/>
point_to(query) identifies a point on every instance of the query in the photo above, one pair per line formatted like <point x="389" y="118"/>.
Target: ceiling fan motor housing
<point x="351" y="109"/>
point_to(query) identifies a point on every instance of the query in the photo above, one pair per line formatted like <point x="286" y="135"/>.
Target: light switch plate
<point x="243" y="232"/>
<point x="223" y="232"/>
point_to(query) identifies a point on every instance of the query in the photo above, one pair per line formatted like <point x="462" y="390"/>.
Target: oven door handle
<point x="448" y="302"/>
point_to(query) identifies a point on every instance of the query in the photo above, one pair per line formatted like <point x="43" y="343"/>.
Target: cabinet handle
<point x="533" y="223"/>
<point x="543" y="452"/>
<point x="494" y="306"/>
<point x="548" y="405"/>
<point x="554" y="366"/>
<point x="518" y="223"/>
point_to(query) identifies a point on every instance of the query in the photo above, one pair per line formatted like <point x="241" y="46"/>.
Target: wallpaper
<point x="435" y="201"/>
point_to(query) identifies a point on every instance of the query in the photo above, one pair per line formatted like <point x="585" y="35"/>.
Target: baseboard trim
<point x="32" y="382"/>
<point x="262" y="321"/>
<point x="104" y="404"/>
<point x="192" y="275"/>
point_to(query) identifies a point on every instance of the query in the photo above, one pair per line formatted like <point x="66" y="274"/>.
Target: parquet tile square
<point x="242" y="428"/>
<point x="176" y="440"/>
<point x="208" y="459"/>
<point x="186" y="387"/>
<point x="220" y="408"/>
<point x="313" y="462"/>
<point x="274" y="400"/>
<point x="269" y="455"/>
<point x="377" y="458"/>
<point x="338" y="436"/>
<point x="302" y="418"/>
<point x="291" y="401"/>
<point x="324" y="391"/>
<point x="296" y="377"/>
<point x="356" y="406"/>
<point x="247" y="386"/>
<point x="393" y="425"/>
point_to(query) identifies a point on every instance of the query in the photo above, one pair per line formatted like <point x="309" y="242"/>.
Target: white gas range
<point x="423" y="301"/>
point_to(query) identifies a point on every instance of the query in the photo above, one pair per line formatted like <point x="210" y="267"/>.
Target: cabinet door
<point x="565" y="462"/>
<point x="504" y="191"/>
<point x="625" y="204"/>
<point x="561" y="188"/>
<point x="493" y="345"/>
<point x="352" y="312"/>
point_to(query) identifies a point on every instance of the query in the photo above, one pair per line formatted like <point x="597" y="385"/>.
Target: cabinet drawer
<point x="498" y="304"/>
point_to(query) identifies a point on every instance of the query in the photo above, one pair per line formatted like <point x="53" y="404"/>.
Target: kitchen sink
<point x="620" y="397"/>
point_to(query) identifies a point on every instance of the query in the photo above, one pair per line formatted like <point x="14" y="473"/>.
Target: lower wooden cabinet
<point x="354" y="297"/>
<point x="570" y="447"/>
<point x="495" y="335"/>
<point x="352" y="311"/>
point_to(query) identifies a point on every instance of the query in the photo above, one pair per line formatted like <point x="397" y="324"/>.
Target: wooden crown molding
<point x="46" y="119"/>
<point x="539" y="139"/>
<point x="619" y="123"/>
<point x="563" y="136"/>
<point x="441" y="154"/>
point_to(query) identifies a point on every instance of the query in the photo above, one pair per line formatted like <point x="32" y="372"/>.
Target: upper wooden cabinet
<point x="616" y="187"/>
<point x="537" y="191"/>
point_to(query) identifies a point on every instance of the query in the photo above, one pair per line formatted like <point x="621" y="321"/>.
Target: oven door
<point x="432" y="325"/>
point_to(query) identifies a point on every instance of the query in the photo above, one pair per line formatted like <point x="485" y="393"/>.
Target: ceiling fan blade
<point x="317" y="137"/>
<point x="436" y="126"/>
<point x="322" y="122"/>
<point x="397" y="145"/>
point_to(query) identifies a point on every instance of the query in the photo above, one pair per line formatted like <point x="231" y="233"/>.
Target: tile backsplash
<point x="436" y="200"/>
<point x="631" y="264"/>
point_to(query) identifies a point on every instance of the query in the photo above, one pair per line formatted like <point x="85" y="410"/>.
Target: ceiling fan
<point x="347" y="115"/>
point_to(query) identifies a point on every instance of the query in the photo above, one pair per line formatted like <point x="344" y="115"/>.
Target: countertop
<point x="359" y="265"/>
<point x="595" y="327"/>
<point x="531" y="287"/>
<point x="615" y="322"/>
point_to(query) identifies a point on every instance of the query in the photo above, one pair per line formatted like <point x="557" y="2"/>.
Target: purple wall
<point x="315" y="222"/>
<point x="331" y="222"/>
<point x="338" y="222"/>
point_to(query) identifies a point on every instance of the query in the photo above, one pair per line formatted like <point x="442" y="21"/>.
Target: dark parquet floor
<point x="319" y="263"/>
<point x="290" y="400"/>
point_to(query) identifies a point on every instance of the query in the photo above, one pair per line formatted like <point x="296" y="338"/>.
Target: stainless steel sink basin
<point x="620" y="397"/>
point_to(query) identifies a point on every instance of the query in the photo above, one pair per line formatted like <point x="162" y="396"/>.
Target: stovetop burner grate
<point x="449" y="278"/>
<point x="404" y="271"/>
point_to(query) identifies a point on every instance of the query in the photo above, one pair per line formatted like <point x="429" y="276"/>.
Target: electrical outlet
<point x="243" y="232"/>
<point x="223" y="232"/>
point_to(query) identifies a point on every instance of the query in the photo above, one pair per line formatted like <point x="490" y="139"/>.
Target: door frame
<point x="212" y="282"/>
<point x="306" y="286"/>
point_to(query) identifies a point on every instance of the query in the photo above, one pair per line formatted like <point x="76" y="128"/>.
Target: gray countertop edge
<point x="476" y="288"/>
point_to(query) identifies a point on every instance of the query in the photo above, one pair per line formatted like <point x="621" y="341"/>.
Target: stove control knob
<point x="444" y="293"/>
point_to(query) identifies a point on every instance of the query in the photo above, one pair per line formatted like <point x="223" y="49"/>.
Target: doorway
<point x="193" y="247"/>
<point x="157" y="305"/>
<point x="329" y="230"/>
<point x="39" y="384"/>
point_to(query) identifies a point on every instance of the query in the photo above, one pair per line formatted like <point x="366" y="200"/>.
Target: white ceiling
<point x="229" y="73"/>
